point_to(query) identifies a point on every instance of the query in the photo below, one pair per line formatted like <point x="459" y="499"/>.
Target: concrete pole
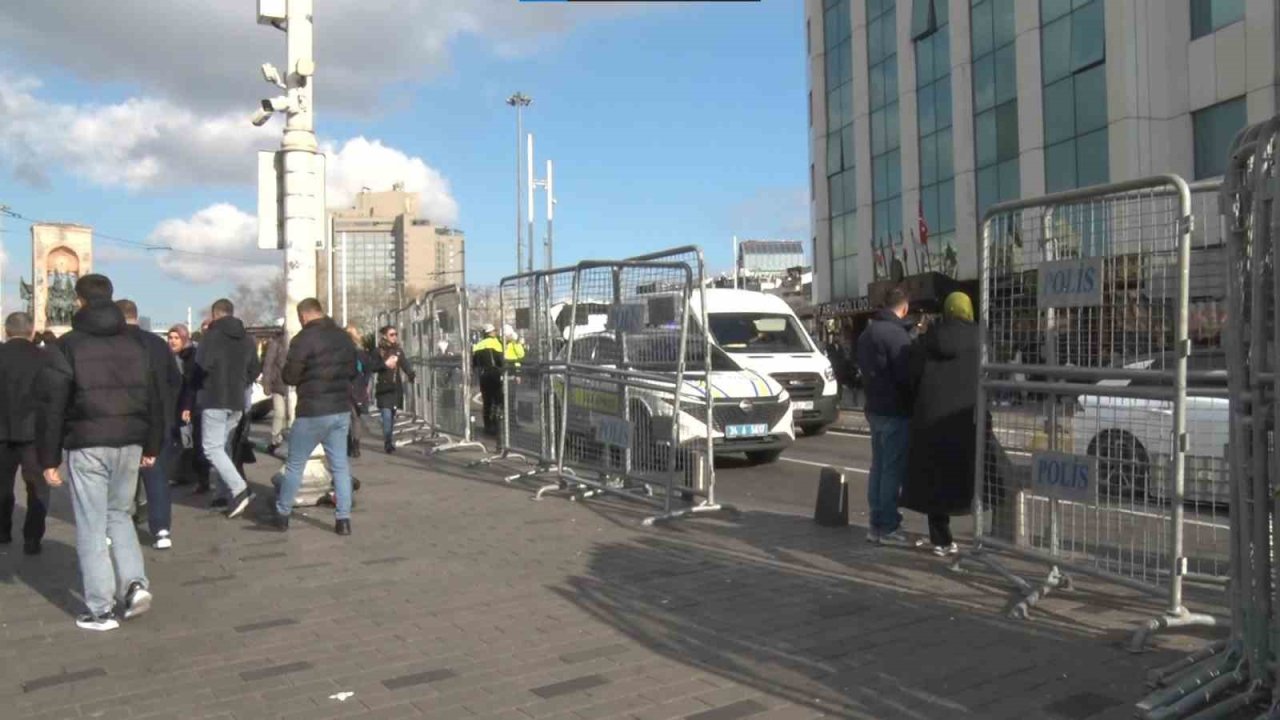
<point x="302" y="193"/>
<point x="551" y="215"/>
<point x="519" y="101"/>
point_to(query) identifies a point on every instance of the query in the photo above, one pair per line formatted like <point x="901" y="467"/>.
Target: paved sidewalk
<point x="459" y="597"/>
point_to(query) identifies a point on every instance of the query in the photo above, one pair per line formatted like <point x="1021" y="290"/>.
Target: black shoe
<point x="31" y="547"/>
<point x="276" y="521"/>
<point x="342" y="527"/>
<point x="218" y="504"/>
<point x="239" y="503"/>
<point x="136" y="601"/>
<point x="390" y="448"/>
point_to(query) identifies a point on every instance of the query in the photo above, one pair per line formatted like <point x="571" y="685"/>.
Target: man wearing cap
<point x="487" y="361"/>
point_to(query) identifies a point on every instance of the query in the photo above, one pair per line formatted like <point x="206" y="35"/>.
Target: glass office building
<point x="923" y="113"/>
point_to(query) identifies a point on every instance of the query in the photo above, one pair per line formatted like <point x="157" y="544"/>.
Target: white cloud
<point x="141" y="143"/>
<point x="216" y="244"/>
<point x="205" y="54"/>
<point x="368" y="163"/>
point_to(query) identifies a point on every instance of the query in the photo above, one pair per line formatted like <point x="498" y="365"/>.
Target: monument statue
<point x="61" y="253"/>
<point x="61" y="302"/>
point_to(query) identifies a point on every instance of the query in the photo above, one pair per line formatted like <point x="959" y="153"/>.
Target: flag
<point x="924" y="225"/>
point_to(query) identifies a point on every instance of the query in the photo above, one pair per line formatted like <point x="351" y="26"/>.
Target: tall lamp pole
<point x="519" y="101"/>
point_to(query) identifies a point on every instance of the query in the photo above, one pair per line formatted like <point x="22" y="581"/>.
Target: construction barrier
<point x="1089" y="289"/>
<point x="449" y="376"/>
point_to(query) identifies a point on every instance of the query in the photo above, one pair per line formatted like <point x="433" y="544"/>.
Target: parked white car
<point x="1133" y="438"/>
<point x="751" y="412"/>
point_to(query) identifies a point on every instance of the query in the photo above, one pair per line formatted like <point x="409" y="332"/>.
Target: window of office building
<point x="1208" y="16"/>
<point x="1073" y="69"/>
<point x="886" y="161"/>
<point x="837" y="29"/>
<point x="995" y="101"/>
<point x="1213" y="129"/>
<point x="931" y="30"/>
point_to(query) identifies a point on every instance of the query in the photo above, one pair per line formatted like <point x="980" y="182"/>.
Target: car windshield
<point x="758" y="333"/>
<point x="654" y="353"/>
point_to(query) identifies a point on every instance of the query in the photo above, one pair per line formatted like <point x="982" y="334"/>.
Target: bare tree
<point x="260" y="303"/>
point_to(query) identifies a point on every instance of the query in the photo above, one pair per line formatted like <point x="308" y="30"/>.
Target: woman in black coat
<point x="940" y="468"/>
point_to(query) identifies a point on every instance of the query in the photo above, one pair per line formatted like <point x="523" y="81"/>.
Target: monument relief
<point x="60" y="254"/>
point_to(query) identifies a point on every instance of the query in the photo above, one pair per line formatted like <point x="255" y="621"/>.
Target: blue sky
<point x="668" y="125"/>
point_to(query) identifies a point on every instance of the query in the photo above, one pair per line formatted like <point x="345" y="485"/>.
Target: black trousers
<point x="13" y="456"/>
<point x="940" y="529"/>
<point x="491" y="394"/>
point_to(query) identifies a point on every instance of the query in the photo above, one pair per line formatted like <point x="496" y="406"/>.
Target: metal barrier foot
<point x="502" y="455"/>
<point x="693" y="510"/>
<point x="1056" y="580"/>
<point x="451" y="444"/>
<point x="540" y="470"/>
<point x="1178" y="618"/>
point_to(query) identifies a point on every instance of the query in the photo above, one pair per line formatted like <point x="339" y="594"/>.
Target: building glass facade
<point x="838" y="43"/>
<point x="1213" y="129"/>
<point x="1208" y="16"/>
<point x="886" y="154"/>
<point x="1074" y="72"/>
<point x="931" y="31"/>
<point x="995" y="101"/>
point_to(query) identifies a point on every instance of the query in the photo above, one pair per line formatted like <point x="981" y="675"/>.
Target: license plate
<point x="798" y="405"/>
<point x="745" y="431"/>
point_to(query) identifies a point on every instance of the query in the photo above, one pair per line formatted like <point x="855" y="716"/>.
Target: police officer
<point x="487" y="360"/>
<point x="514" y="352"/>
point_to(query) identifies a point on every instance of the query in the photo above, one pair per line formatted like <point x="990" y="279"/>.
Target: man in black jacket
<point x="884" y="360"/>
<point x="155" y="479"/>
<point x="105" y="406"/>
<point x="23" y="368"/>
<point x="321" y="364"/>
<point x="389" y="390"/>
<point x="273" y="385"/>
<point x="226" y="365"/>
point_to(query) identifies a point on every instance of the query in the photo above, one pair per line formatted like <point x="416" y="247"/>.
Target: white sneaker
<point x="137" y="601"/>
<point x="163" y="541"/>
<point x="873" y="537"/>
<point x="946" y="550"/>
<point x="100" y="623"/>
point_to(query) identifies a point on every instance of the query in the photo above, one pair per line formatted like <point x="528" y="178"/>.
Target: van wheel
<point x="763" y="457"/>
<point x="1123" y="465"/>
<point x="813" y="430"/>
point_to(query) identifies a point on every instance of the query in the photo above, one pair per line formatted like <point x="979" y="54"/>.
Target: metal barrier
<point x="1090" y="287"/>
<point x="1226" y="677"/>
<point x="449" y="369"/>
<point x="624" y="428"/>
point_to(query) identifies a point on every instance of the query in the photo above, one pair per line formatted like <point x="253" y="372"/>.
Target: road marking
<point x="823" y="465"/>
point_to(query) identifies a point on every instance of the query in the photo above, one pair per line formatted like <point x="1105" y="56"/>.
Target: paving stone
<point x="274" y="671"/>
<point x="50" y="681"/>
<point x="586" y="682"/>
<point x="421" y="678"/>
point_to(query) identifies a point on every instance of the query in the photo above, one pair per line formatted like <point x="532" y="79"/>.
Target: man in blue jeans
<point x="226" y="365"/>
<point x="321" y="364"/>
<point x="884" y="350"/>
<point x="389" y="390"/>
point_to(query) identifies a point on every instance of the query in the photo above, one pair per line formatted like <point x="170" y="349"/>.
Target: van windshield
<point x="758" y="333"/>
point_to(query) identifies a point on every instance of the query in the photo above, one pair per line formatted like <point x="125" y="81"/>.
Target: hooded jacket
<point x="106" y="394"/>
<point x="321" y="364"/>
<point x="169" y="376"/>
<point x="884" y="361"/>
<point x="226" y="364"/>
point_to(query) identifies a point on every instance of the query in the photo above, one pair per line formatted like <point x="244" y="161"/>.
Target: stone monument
<point x="60" y="254"/>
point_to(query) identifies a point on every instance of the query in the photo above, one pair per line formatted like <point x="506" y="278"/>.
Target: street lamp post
<point x="519" y="101"/>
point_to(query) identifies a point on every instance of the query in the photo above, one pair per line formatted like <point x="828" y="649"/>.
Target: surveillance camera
<point x="279" y="103"/>
<point x="272" y="75"/>
<point x="260" y="117"/>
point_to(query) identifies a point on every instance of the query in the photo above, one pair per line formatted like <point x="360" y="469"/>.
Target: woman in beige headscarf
<point x="940" y="469"/>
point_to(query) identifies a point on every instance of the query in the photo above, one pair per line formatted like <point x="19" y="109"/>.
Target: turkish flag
<point x="924" y="226"/>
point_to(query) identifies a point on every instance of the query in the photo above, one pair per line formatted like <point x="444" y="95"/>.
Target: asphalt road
<point x="790" y="485"/>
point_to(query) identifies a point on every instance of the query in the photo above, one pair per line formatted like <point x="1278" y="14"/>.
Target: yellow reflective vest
<point x="487" y="354"/>
<point x="514" y="353"/>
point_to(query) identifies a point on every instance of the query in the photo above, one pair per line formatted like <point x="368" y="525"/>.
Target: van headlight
<point x="829" y="374"/>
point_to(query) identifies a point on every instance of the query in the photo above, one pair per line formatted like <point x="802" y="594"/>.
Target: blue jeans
<point x="155" y="480"/>
<point x="104" y="484"/>
<point x="388" y="422"/>
<point x="329" y="431"/>
<point x="218" y="428"/>
<point x="890" y="440"/>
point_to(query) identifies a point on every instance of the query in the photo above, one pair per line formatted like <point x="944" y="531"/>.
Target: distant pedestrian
<point x="487" y="361"/>
<point x="108" y="404"/>
<point x="192" y="465"/>
<point x="226" y="364"/>
<point x="274" y="386"/>
<point x="943" y="430"/>
<point x="367" y="364"/>
<point x="884" y="360"/>
<point x="155" y="479"/>
<point x="24" y="368"/>
<point x="321" y="365"/>
<point x="389" y="390"/>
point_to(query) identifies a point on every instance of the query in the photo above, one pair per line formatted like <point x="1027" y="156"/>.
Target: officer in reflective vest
<point x="487" y="360"/>
<point x="515" y="349"/>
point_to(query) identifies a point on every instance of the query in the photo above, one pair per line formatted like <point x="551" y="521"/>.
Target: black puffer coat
<point x="22" y="366"/>
<point x="321" y="364"/>
<point x="940" y="467"/>
<point x="112" y="396"/>
<point x="389" y="389"/>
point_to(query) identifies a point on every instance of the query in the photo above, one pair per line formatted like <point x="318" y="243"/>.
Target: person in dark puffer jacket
<point x="23" y="370"/>
<point x="321" y="364"/>
<point x="108" y="405"/>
